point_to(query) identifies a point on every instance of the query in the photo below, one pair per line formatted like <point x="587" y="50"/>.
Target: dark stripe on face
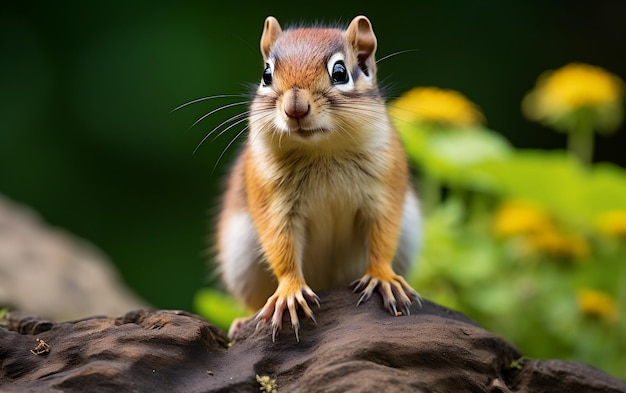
<point x="356" y="73"/>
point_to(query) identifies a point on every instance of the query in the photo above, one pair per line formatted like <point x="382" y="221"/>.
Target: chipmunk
<point x="320" y="194"/>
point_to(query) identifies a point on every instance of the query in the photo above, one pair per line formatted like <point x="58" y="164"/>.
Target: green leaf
<point x="217" y="307"/>
<point x="449" y="154"/>
<point x="606" y="189"/>
<point x="558" y="182"/>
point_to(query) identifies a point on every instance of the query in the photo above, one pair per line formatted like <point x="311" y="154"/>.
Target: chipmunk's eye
<point x="339" y="74"/>
<point x="267" y="75"/>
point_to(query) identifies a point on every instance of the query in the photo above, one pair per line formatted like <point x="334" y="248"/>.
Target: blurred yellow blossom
<point x="535" y="227"/>
<point x="579" y="99"/>
<point x="612" y="223"/>
<point x="559" y="94"/>
<point x="517" y="217"/>
<point x="597" y="303"/>
<point x="558" y="244"/>
<point x="436" y="106"/>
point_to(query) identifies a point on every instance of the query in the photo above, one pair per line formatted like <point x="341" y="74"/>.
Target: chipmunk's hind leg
<point x="244" y="271"/>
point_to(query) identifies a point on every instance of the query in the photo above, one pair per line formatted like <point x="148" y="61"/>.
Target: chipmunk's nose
<point x="296" y="103"/>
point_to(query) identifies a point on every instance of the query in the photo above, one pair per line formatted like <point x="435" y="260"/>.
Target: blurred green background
<point x="88" y="140"/>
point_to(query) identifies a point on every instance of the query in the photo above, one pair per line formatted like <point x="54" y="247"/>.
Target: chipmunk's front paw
<point x="393" y="288"/>
<point x="288" y="296"/>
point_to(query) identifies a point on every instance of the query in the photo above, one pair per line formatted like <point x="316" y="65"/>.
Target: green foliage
<point x="219" y="308"/>
<point x="449" y="154"/>
<point x="531" y="287"/>
<point x="557" y="181"/>
<point x="3" y="313"/>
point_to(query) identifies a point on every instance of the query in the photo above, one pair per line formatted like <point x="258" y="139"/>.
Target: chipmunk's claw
<point x="288" y="299"/>
<point x="393" y="290"/>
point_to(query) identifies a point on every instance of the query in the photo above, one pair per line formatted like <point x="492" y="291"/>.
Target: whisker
<point x="396" y="53"/>
<point x="366" y="113"/>
<point x="352" y="107"/>
<point x="227" y="147"/>
<point x="233" y="118"/>
<point x="209" y="134"/>
<point x="252" y="137"/>
<point x="344" y="127"/>
<point x="262" y="116"/>
<point x="217" y="110"/>
<point x="407" y="111"/>
<point x="280" y="141"/>
<point x="228" y="128"/>
<point x="206" y="98"/>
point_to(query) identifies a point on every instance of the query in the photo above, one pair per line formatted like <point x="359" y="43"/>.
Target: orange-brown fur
<point x="322" y="173"/>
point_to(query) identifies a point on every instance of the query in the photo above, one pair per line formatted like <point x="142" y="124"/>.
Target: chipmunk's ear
<point x="271" y="31"/>
<point x="361" y="36"/>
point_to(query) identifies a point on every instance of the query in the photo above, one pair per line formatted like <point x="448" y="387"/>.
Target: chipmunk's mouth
<point x="307" y="133"/>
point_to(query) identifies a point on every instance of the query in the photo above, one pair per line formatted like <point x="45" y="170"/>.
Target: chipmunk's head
<point x="317" y="83"/>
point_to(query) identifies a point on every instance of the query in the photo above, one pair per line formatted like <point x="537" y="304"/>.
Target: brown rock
<point x="48" y="272"/>
<point x="351" y="349"/>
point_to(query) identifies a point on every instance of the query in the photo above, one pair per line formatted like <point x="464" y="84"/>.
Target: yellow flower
<point x="613" y="223"/>
<point x="516" y="217"/>
<point x="576" y="93"/>
<point x="436" y="106"/>
<point x="537" y="231"/>
<point x="560" y="245"/>
<point x="597" y="303"/>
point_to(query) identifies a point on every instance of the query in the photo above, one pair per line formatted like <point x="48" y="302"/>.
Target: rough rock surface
<point x="48" y="272"/>
<point x="351" y="349"/>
